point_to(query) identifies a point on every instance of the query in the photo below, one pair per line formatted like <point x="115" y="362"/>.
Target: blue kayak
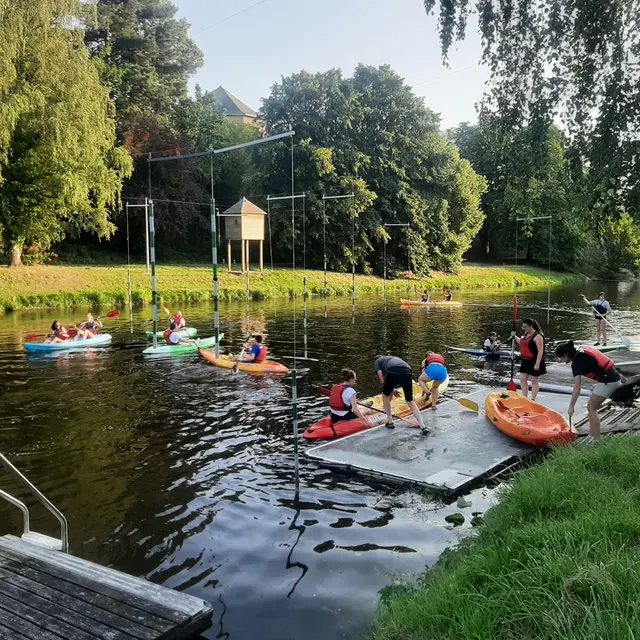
<point x="503" y="354"/>
<point x="101" y="340"/>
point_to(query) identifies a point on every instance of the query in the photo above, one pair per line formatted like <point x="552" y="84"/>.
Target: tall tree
<point x="60" y="171"/>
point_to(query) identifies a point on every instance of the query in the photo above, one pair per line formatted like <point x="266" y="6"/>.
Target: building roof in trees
<point x="244" y="207"/>
<point x="232" y="105"/>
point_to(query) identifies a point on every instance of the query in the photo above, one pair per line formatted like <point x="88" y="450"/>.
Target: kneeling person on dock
<point x="434" y="371"/>
<point x="394" y="372"/>
<point x="343" y="399"/>
<point x="593" y="364"/>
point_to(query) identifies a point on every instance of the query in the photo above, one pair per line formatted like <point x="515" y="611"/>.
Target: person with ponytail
<point x="590" y="363"/>
<point x="343" y="399"/>
<point x="532" y="350"/>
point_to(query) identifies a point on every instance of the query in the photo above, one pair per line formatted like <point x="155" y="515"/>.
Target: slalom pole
<point x="214" y="258"/>
<point x="154" y="290"/>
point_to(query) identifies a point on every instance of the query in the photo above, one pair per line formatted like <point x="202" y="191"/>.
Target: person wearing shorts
<point x="434" y="371"/>
<point x="590" y="363"/>
<point x="393" y="373"/>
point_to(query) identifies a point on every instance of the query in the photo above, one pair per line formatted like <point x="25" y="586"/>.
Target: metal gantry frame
<point x="128" y="206"/>
<point x="214" y="231"/>
<point x="324" y="233"/>
<point x="293" y="198"/>
<point x="407" y="226"/>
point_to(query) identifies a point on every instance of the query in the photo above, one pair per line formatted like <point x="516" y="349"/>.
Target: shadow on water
<point x="182" y="473"/>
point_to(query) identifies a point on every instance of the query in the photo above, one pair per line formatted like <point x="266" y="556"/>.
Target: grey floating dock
<point x="48" y="595"/>
<point x="462" y="448"/>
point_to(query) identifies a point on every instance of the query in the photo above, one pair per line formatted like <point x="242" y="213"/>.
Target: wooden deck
<point x="48" y="595"/>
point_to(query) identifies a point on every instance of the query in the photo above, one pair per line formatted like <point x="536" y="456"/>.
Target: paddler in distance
<point x="343" y="399"/>
<point x="492" y="343"/>
<point x="448" y="296"/>
<point x="425" y="296"/>
<point x="394" y="372"/>
<point x="601" y="308"/>
<point x="257" y="354"/>
<point x="180" y="320"/>
<point x="434" y="371"/>
<point x="58" y="333"/>
<point x="593" y="364"/>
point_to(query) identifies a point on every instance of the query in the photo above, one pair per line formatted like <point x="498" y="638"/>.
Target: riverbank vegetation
<point x="65" y="286"/>
<point x="557" y="558"/>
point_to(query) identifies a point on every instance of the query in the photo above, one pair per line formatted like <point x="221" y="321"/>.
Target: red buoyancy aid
<point x="528" y="346"/>
<point x="262" y="356"/>
<point x="166" y="335"/>
<point x="435" y="358"/>
<point x="61" y="333"/>
<point x="179" y="320"/>
<point x="335" y="399"/>
<point x="604" y="363"/>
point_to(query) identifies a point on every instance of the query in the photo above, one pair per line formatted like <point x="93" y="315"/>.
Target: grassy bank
<point x="557" y="558"/>
<point x="65" y="286"/>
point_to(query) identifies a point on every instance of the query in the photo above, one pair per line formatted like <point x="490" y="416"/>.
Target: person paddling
<point x="58" y="333"/>
<point x="532" y="352"/>
<point x="172" y="335"/>
<point x="258" y="352"/>
<point x="434" y="371"/>
<point x="491" y="343"/>
<point x="448" y="296"/>
<point x="593" y="364"/>
<point x="343" y="399"/>
<point x="394" y="372"/>
<point x="600" y="309"/>
<point x="89" y="328"/>
<point x="180" y="320"/>
<point x="425" y="296"/>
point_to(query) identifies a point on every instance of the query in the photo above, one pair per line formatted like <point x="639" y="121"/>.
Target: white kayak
<point x="101" y="340"/>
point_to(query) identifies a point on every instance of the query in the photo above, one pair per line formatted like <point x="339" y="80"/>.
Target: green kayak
<point x="187" y="332"/>
<point x="190" y="349"/>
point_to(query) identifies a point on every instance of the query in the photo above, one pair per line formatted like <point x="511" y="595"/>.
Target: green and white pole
<point x="154" y="289"/>
<point x="216" y="290"/>
<point x="294" y="409"/>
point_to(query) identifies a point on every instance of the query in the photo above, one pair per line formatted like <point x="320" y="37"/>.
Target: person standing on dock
<point x="394" y="372"/>
<point x="593" y="364"/>
<point x="434" y="371"/>
<point x="532" y="352"/>
<point x="600" y="309"/>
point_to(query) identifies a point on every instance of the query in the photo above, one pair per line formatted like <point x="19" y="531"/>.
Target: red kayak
<point x="324" y="429"/>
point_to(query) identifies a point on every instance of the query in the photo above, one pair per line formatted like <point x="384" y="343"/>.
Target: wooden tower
<point x="244" y="222"/>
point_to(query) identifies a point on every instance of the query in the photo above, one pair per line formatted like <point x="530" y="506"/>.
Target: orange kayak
<point x="225" y="362"/>
<point x="526" y="420"/>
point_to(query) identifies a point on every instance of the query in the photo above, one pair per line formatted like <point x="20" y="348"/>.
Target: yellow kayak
<point x="226" y="362"/>
<point x="431" y="303"/>
<point x="398" y="405"/>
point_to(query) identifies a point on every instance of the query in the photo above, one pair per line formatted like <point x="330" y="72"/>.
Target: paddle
<point x="511" y="385"/>
<point x="32" y="336"/>
<point x="465" y="402"/>
<point x="244" y="348"/>
<point x="625" y="341"/>
<point x="327" y="392"/>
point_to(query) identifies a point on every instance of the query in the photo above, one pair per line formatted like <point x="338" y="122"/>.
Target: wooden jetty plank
<point x="25" y="629"/>
<point x="14" y="563"/>
<point x="101" y="616"/>
<point x="75" y="613"/>
<point x="9" y="634"/>
<point x="142" y="590"/>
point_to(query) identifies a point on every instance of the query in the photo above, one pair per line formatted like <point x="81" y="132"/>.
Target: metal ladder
<point x="33" y="537"/>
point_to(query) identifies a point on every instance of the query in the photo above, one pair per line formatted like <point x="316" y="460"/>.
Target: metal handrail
<point x="21" y="505"/>
<point x="51" y="508"/>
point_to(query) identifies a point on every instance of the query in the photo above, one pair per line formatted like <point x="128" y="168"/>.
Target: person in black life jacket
<point x="392" y="373"/>
<point x="343" y="399"/>
<point x="434" y="371"/>
<point x="491" y="343"/>
<point x="532" y="350"/>
<point x="425" y="296"/>
<point x="590" y="363"/>
<point x="448" y="296"/>
<point x="600" y="310"/>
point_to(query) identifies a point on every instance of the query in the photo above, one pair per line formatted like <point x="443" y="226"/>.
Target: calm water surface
<point x="182" y="473"/>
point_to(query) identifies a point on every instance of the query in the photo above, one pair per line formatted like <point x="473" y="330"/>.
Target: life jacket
<point x="448" y="297"/>
<point x="262" y="356"/>
<point x="604" y="363"/>
<point x="179" y="320"/>
<point x="61" y="333"/>
<point x="335" y="399"/>
<point x="166" y="335"/>
<point x="600" y="308"/>
<point x="435" y="358"/>
<point x="528" y="346"/>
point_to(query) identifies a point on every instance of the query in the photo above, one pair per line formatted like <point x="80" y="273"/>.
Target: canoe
<point x="187" y="332"/>
<point x="432" y="303"/>
<point x="494" y="355"/>
<point x="225" y="362"/>
<point x="101" y="340"/>
<point x="323" y="430"/>
<point x="527" y="421"/>
<point x="180" y="349"/>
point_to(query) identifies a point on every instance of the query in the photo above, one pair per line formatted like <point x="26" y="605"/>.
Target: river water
<point x="182" y="473"/>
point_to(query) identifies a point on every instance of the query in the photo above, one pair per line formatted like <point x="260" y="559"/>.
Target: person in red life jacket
<point x="179" y="319"/>
<point x="343" y="399"/>
<point x="258" y="352"/>
<point x="434" y="371"/>
<point x="172" y="335"/>
<point x="600" y="310"/>
<point x="590" y="363"/>
<point x="89" y="328"/>
<point x="392" y="373"/>
<point x="58" y="333"/>
<point x="532" y="350"/>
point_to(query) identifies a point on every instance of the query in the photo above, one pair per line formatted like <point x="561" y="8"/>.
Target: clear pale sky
<point x="249" y="52"/>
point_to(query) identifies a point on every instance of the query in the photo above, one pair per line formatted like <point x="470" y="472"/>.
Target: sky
<point x="249" y="52"/>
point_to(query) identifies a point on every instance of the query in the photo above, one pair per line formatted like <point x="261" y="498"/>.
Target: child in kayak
<point x="425" y="296"/>
<point x="590" y="363"/>
<point x="343" y="399"/>
<point x="258" y="352"/>
<point x="180" y="320"/>
<point x="89" y="328"/>
<point x="434" y="371"/>
<point x="58" y="333"/>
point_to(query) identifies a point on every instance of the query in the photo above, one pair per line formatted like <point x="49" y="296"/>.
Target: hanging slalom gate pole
<point x="304" y="298"/>
<point x="294" y="411"/>
<point x="129" y="269"/>
<point x="293" y="222"/>
<point x="324" y="232"/>
<point x="406" y="225"/>
<point x="152" y="254"/>
<point x="146" y="206"/>
<point x="384" y="283"/>
<point x="214" y="260"/>
<point x="270" y="240"/>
